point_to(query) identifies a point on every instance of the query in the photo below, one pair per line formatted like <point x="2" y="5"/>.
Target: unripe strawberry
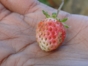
<point x="50" y="32"/>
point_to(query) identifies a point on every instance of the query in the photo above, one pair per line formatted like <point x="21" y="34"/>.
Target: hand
<point x="18" y="46"/>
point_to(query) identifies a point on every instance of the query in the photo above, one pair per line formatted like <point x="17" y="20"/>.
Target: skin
<point x="18" y="46"/>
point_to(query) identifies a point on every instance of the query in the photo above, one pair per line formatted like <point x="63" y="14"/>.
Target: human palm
<point x="18" y="46"/>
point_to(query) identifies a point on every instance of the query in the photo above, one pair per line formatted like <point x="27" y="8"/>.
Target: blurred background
<point x="71" y="6"/>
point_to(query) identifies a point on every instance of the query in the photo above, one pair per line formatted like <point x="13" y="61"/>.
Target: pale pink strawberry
<point x="50" y="34"/>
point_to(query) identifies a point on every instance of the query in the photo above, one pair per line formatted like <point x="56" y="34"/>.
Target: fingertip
<point x="19" y="6"/>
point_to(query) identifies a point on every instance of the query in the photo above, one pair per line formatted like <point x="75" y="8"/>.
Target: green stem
<point x="60" y="7"/>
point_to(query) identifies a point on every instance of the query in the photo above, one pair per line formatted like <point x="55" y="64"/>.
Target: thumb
<point x="19" y="6"/>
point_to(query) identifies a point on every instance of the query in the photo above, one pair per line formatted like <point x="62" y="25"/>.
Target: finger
<point x="3" y="12"/>
<point x="20" y="6"/>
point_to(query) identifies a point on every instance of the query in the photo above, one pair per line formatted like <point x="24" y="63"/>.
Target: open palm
<point x="18" y="46"/>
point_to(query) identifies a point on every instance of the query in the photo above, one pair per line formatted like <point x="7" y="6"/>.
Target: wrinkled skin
<point x="18" y="46"/>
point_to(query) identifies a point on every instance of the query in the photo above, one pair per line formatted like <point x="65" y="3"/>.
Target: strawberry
<point x="50" y="32"/>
